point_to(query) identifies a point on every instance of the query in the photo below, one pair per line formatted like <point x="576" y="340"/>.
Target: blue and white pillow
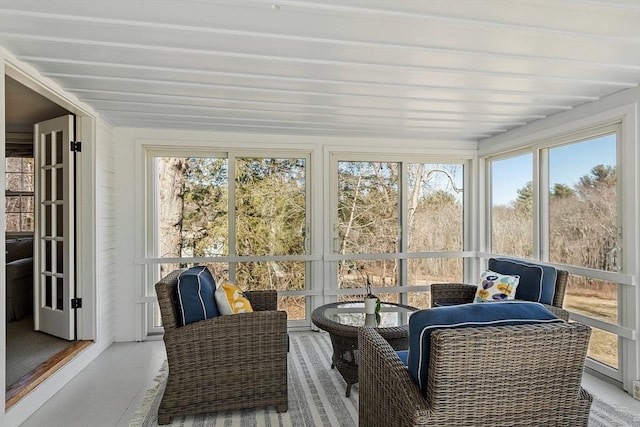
<point x="195" y="296"/>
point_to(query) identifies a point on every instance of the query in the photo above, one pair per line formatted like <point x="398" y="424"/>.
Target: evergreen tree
<point x="600" y="176"/>
<point x="524" y="201"/>
<point x="562" y="191"/>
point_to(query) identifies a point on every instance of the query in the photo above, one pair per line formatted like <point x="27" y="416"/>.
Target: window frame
<point x="151" y="261"/>
<point x="488" y="161"/>
<point x="332" y="257"/>
<point x="625" y="282"/>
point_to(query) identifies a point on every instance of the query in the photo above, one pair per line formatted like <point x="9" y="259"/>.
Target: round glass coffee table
<point x="342" y="320"/>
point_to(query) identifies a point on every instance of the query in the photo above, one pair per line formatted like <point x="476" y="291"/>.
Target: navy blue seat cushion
<point x="537" y="282"/>
<point x="404" y="356"/>
<point x="195" y="296"/>
<point x="423" y="322"/>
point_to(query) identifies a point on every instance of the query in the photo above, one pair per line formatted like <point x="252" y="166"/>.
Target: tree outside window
<point x="268" y="219"/>
<point x="583" y="231"/>
<point x="582" y="206"/>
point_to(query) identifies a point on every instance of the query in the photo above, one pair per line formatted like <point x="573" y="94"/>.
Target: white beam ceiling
<point x="448" y="70"/>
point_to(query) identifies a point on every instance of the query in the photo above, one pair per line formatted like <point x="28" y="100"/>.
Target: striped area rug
<point x="604" y="414"/>
<point x="316" y="397"/>
<point x="316" y="394"/>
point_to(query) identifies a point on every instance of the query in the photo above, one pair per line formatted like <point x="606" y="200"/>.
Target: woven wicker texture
<point x="527" y="375"/>
<point x="228" y="362"/>
<point x="461" y="293"/>
<point x="344" y="340"/>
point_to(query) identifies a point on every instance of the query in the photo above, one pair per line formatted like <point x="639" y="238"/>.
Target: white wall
<point x="105" y="234"/>
<point x="126" y="273"/>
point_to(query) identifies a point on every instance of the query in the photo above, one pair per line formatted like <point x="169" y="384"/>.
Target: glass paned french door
<point x="54" y="242"/>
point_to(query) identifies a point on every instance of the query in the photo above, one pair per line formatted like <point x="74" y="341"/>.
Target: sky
<point x="566" y="165"/>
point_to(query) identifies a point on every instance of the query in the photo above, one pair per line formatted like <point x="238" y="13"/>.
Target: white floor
<point x="110" y="390"/>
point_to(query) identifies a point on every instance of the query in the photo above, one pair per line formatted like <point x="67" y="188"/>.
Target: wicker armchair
<point x="228" y="362"/>
<point x="461" y="293"/>
<point x="527" y="375"/>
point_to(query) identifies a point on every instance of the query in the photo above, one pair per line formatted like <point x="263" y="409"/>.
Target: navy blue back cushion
<point x="423" y="322"/>
<point x="537" y="282"/>
<point x="195" y="295"/>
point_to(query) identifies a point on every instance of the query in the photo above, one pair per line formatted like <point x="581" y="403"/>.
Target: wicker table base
<point x="344" y="340"/>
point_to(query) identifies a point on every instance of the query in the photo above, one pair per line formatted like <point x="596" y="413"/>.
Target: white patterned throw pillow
<point x="495" y="287"/>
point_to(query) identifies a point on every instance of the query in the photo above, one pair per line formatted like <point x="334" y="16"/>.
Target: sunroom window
<point x="558" y="203"/>
<point x="583" y="231"/>
<point x="243" y="216"/>
<point x="397" y="225"/>
<point x="512" y="206"/>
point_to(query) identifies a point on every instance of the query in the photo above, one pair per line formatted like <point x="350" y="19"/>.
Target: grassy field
<point x="603" y="346"/>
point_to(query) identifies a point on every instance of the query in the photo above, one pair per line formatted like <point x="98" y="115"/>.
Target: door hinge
<point x="75" y="146"/>
<point x="76" y="303"/>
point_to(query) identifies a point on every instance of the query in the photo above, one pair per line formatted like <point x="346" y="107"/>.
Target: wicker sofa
<point x="462" y="293"/>
<point x="513" y="388"/>
<point x="227" y="362"/>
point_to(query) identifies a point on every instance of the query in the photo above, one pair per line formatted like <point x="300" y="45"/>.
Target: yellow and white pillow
<point x="231" y="300"/>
